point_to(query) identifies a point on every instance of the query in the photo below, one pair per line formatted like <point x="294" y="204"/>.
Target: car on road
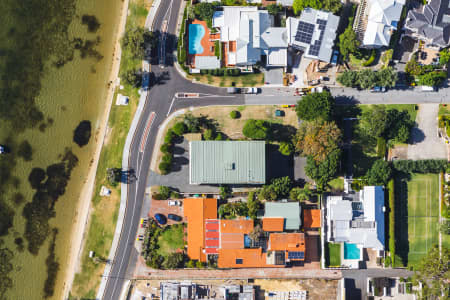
<point x="335" y="57"/>
<point x="174" y="203"/>
<point x="233" y="90"/>
<point x="161" y="219"/>
<point x="425" y="88"/>
<point x="378" y="89"/>
<point x="173" y="217"/>
<point x="251" y="90"/>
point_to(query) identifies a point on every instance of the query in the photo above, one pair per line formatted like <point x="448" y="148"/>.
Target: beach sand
<point x="84" y="202"/>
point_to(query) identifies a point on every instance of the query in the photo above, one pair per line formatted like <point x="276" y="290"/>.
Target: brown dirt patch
<point x="317" y="288"/>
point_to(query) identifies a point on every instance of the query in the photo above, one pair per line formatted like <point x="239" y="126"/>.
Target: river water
<point x="68" y="95"/>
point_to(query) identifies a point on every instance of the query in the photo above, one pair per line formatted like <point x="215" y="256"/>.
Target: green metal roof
<point x="227" y="162"/>
<point x="290" y="211"/>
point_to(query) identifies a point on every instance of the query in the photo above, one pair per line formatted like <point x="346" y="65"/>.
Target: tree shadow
<point x="282" y="133"/>
<point x="277" y="164"/>
<point x="417" y="135"/>
<point x="178" y="150"/>
<point x="128" y="176"/>
<point x="179" y="162"/>
<point x="351" y="292"/>
<point x="401" y="216"/>
<point x="349" y="100"/>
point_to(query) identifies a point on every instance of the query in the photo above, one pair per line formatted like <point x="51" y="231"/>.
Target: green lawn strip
<point x="410" y="108"/>
<point x="444" y="109"/>
<point x="334" y="254"/>
<point x="171" y="240"/>
<point x="101" y="228"/>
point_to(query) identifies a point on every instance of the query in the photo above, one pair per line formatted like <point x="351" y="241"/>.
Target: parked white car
<point x="251" y="90"/>
<point x="174" y="203"/>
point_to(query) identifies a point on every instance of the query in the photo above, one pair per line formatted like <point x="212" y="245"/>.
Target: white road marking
<point x="170" y="108"/>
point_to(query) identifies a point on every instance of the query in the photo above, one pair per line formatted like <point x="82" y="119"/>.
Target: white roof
<point x="207" y="62"/>
<point x="381" y="21"/>
<point x="277" y="57"/>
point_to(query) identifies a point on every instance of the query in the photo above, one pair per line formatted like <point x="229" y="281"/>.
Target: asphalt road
<point x="161" y="101"/>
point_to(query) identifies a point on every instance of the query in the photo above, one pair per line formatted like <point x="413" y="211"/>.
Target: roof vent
<point x="230" y="166"/>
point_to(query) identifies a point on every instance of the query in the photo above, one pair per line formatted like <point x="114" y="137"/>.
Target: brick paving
<point x="307" y="271"/>
<point x="162" y="207"/>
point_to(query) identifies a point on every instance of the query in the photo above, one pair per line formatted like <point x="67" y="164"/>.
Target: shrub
<point x="286" y="148"/>
<point x="234" y="114"/>
<point x="256" y="129"/>
<point x="379" y="173"/>
<point x="209" y="135"/>
<point x="219" y="137"/>
<point x="371" y="59"/>
<point x="282" y="186"/>
<point x="170" y="135"/>
<point x="168" y="158"/>
<point x="179" y="128"/>
<point x="164" y="191"/>
<point x="381" y="147"/>
<point x="387" y="261"/>
<point x="164" y="167"/>
<point x="420" y="166"/>
<point x="235" y="72"/>
<point x="166" y="148"/>
<point x="175" y="195"/>
<point x="267" y="192"/>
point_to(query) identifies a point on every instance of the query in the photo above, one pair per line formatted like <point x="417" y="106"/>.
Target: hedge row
<point x="381" y="147"/>
<point x="181" y="45"/>
<point x="421" y="166"/>
<point x="392" y="219"/>
<point x="167" y="148"/>
<point x="221" y="72"/>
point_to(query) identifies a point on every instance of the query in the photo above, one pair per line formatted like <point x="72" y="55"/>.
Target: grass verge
<point x="104" y="210"/>
<point x="243" y="80"/>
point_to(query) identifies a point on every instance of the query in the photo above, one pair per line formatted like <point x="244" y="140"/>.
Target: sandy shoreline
<point x="84" y="201"/>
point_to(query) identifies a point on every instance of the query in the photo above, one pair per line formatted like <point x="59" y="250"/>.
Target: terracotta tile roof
<point x="289" y="242"/>
<point x="236" y="226"/>
<point x="242" y="258"/>
<point x="231" y="241"/>
<point x="196" y="211"/>
<point x="273" y="224"/>
<point x="311" y="218"/>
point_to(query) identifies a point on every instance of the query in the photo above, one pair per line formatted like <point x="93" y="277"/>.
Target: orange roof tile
<point x="196" y="211"/>
<point x="236" y="226"/>
<point x="287" y="242"/>
<point x="243" y="258"/>
<point x="311" y="218"/>
<point x="231" y="241"/>
<point x="273" y="224"/>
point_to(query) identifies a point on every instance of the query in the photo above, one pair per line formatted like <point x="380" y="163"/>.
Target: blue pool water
<point x="351" y="251"/>
<point x="196" y="33"/>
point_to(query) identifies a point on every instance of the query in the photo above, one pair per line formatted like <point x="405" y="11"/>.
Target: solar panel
<point x="296" y="255"/>
<point x="304" y="32"/>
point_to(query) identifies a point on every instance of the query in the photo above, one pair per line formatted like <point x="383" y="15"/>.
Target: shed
<point x="227" y="162"/>
<point x="290" y="211"/>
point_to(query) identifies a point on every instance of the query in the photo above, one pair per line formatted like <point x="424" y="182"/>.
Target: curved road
<point x="161" y="101"/>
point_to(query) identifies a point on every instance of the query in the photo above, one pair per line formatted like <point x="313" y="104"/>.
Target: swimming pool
<point x="351" y="251"/>
<point x="196" y="33"/>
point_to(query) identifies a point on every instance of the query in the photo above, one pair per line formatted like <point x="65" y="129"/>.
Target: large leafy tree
<point x="315" y="106"/>
<point x="322" y="172"/>
<point x="348" y="78"/>
<point x="204" y="10"/>
<point x="433" y="272"/>
<point x="317" y="139"/>
<point x="136" y="39"/>
<point x="256" y="129"/>
<point x="374" y="121"/>
<point x="433" y="78"/>
<point x="387" y="77"/>
<point x="379" y="173"/>
<point x="329" y="5"/>
<point x="348" y="42"/>
<point x="367" y="79"/>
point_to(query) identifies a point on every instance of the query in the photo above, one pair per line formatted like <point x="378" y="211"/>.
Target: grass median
<point x="104" y="210"/>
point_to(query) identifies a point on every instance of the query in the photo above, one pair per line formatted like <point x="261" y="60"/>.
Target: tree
<point x="379" y="173"/>
<point x="136" y="39"/>
<point x="209" y="135"/>
<point x="348" y="42"/>
<point x="444" y="57"/>
<point x="193" y="123"/>
<point x="164" y="191"/>
<point x="433" y="272"/>
<point x="114" y="175"/>
<point x="413" y="68"/>
<point x="253" y="205"/>
<point x="286" y="148"/>
<point x="132" y="77"/>
<point x="433" y="78"/>
<point x="374" y="121"/>
<point x="300" y="5"/>
<point x="387" y="77"/>
<point x="281" y="186"/>
<point x="300" y="194"/>
<point x="334" y="6"/>
<point x="315" y="106"/>
<point x="164" y="167"/>
<point x="348" y="78"/>
<point x="317" y="139"/>
<point x="367" y="79"/>
<point x="256" y="129"/>
<point x="273" y="9"/>
<point x="395" y="121"/>
<point x="179" y="128"/>
<point x="322" y="172"/>
<point x="204" y="11"/>
<point x="267" y="192"/>
<point x="403" y="134"/>
<point x="257" y="233"/>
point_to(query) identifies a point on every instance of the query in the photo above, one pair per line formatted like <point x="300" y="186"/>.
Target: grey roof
<point x="285" y="2"/>
<point x="432" y="22"/>
<point x="322" y="26"/>
<point x="207" y="62"/>
<point x="290" y="211"/>
<point x="227" y="162"/>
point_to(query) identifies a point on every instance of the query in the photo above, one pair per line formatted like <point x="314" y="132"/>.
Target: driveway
<point x="425" y="141"/>
<point x="273" y="76"/>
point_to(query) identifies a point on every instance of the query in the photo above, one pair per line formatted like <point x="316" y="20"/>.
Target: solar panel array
<point x="304" y="32"/>
<point x="296" y="255"/>
<point x="314" y="49"/>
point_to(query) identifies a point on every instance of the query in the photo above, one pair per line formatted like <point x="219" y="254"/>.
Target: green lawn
<point x="336" y="184"/>
<point x="171" y="240"/>
<point x="444" y="109"/>
<point x="334" y="254"/>
<point x="418" y="216"/>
